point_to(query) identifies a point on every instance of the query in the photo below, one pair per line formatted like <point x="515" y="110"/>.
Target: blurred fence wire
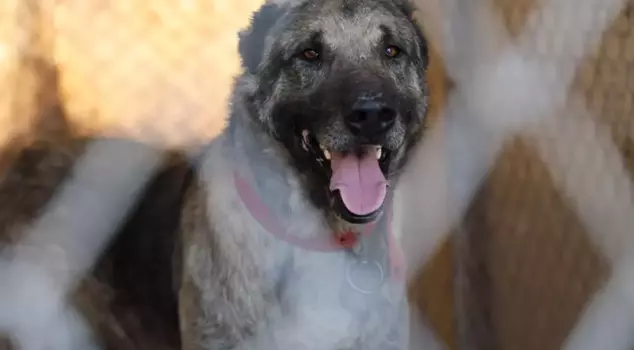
<point x="518" y="207"/>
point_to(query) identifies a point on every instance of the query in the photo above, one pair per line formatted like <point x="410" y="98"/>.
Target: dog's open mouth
<point x="357" y="180"/>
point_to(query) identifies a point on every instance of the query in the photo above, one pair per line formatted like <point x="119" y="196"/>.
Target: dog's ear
<point x="423" y="45"/>
<point x="252" y="40"/>
<point x="409" y="10"/>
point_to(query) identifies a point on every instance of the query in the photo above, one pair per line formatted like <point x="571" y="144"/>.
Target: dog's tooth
<point x="327" y="154"/>
<point x="378" y="152"/>
<point x="305" y="134"/>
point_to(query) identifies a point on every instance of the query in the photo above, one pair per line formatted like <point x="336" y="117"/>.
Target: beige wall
<point x="125" y="66"/>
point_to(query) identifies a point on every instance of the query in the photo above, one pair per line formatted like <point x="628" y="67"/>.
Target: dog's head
<point x="341" y="84"/>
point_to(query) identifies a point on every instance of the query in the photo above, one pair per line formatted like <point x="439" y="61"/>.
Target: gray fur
<point x="244" y="288"/>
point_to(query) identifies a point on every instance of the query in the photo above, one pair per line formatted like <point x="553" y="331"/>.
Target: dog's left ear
<point x="409" y="9"/>
<point x="252" y="40"/>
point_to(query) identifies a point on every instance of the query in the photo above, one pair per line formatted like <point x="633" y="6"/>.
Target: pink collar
<point x="327" y="243"/>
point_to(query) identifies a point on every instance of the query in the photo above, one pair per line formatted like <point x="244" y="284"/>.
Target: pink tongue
<point x="359" y="180"/>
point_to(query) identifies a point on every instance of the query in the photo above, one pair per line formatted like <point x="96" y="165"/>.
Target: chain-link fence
<point x="539" y="260"/>
<point x="539" y="253"/>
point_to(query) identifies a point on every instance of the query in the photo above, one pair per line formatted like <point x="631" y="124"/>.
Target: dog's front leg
<point x="222" y="299"/>
<point x="224" y="294"/>
<point x="219" y="319"/>
<point x="218" y="324"/>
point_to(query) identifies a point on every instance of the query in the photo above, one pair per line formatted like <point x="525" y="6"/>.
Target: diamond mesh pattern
<point x="160" y="71"/>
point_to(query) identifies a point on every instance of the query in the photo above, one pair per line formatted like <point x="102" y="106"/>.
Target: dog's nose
<point x="370" y="119"/>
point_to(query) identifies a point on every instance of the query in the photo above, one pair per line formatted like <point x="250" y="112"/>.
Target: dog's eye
<point x="310" y="55"/>
<point x="392" y="51"/>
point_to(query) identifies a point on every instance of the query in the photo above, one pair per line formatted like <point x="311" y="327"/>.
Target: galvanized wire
<point x="528" y="161"/>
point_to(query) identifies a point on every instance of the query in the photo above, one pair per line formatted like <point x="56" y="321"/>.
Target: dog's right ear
<point x="409" y="10"/>
<point x="252" y="40"/>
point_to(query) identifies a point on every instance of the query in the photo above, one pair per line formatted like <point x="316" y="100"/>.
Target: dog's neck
<point x="272" y="193"/>
<point x="277" y="203"/>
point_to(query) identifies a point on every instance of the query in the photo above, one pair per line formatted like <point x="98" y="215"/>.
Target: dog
<point x="286" y="239"/>
<point x="281" y="236"/>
